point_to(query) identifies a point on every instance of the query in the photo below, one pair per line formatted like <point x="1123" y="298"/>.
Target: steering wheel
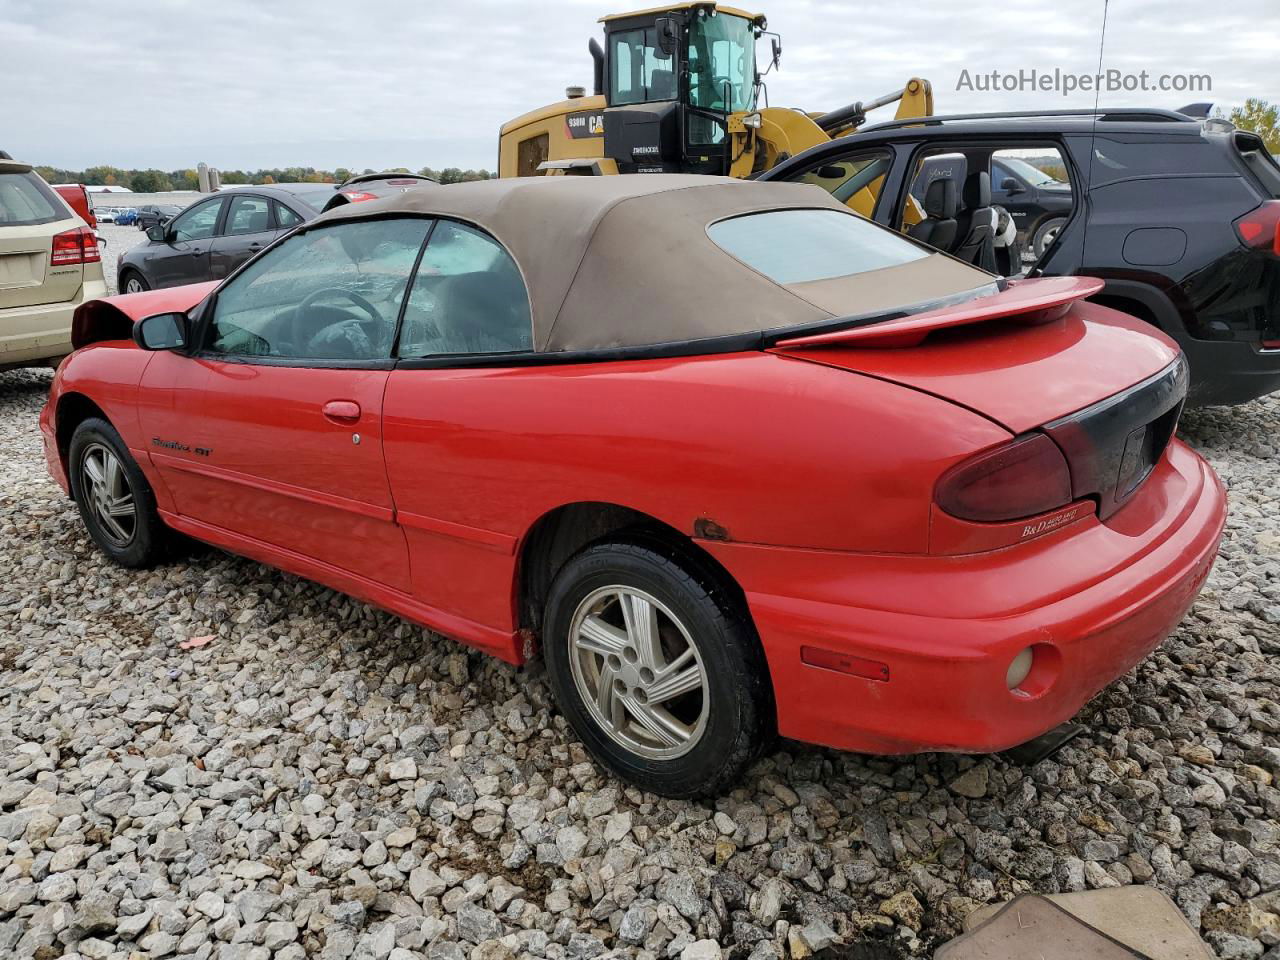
<point x="297" y="330"/>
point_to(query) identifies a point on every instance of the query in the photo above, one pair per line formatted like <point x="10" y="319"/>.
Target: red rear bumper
<point x="1093" y="599"/>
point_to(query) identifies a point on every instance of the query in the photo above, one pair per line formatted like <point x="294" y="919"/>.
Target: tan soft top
<point x="625" y="261"/>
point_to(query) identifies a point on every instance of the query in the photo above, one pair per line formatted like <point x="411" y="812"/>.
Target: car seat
<point x="938" y="228"/>
<point x="975" y="223"/>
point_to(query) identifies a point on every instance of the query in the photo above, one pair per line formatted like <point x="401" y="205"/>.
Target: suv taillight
<point x="1260" y="228"/>
<point x="74" y="246"/>
<point x="1021" y="479"/>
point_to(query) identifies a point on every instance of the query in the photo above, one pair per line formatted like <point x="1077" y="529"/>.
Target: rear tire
<point x="116" y="502"/>
<point x="133" y="282"/>
<point x="1046" y="235"/>
<point x="666" y="686"/>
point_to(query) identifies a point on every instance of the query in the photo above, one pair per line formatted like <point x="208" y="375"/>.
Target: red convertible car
<point x="739" y="462"/>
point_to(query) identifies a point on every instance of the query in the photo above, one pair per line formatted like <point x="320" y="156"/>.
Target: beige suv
<point x="49" y="265"/>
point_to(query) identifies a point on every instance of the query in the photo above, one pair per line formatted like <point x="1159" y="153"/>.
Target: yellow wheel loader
<point x="677" y="90"/>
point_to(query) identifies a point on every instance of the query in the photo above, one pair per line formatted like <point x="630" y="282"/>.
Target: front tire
<point x="115" y="500"/>
<point x="666" y="685"/>
<point x="133" y="282"/>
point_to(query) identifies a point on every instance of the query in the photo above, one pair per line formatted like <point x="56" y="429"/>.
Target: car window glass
<point x="285" y="218"/>
<point x="796" y="246"/>
<point x="856" y="180"/>
<point x="25" y="201"/>
<point x="332" y="293"/>
<point x="1121" y="159"/>
<point x="248" y="215"/>
<point x="199" y="222"/>
<point x="467" y="297"/>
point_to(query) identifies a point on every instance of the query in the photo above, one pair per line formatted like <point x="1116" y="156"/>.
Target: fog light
<point x="1019" y="668"/>
<point x="1034" y="671"/>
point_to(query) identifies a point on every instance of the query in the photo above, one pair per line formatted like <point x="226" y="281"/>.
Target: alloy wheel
<point x="639" y="672"/>
<point x="1046" y="239"/>
<point x="107" y="494"/>
<point x="133" y="285"/>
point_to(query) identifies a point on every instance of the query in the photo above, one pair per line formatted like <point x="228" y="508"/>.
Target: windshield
<point x="722" y="60"/>
<point x="1033" y="175"/>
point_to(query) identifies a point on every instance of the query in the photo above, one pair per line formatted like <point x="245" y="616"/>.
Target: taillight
<point x="1260" y="228"/>
<point x="1020" y="479"/>
<point x="74" y="246"/>
<point x="356" y="196"/>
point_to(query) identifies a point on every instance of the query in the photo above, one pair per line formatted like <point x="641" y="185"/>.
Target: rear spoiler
<point x="1029" y="302"/>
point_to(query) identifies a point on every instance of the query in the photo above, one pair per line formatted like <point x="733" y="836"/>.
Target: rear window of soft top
<point x="25" y="201"/>
<point x="796" y="246"/>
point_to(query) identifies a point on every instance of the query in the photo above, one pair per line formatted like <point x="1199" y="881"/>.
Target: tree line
<point x="159" y="181"/>
<point x="1262" y="118"/>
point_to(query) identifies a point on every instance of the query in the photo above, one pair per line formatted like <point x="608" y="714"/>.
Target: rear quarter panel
<point x="770" y="449"/>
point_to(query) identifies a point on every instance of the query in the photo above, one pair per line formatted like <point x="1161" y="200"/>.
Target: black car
<point x="153" y="214"/>
<point x="1181" y="216"/>
<point x="212" y="237"/>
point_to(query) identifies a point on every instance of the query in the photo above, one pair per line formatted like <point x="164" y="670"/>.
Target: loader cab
<point x="672" y="80"/>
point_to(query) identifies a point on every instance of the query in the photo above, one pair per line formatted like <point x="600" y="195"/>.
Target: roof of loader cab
<point x="626" y="261"/>
<point x="675" y="8"/>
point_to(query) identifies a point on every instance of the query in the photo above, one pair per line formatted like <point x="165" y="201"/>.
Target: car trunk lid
<point x="1023" y="357"/>
<point x="1105" y="387"/>
<point x="27" y="278"/>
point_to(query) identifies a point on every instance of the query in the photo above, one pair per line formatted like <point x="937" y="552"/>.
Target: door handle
<point x="255" y="245"/>
<point x="342" y="411"/>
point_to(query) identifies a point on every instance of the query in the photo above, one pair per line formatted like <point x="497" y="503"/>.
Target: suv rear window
<point x="25" y="200"/>
<point x="795" y="246"/>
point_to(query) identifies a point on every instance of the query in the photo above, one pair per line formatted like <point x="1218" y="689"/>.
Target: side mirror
<point x="777" y="50"/>
<point x="1011" y="186"/>
<point x="668" y="35"/>
<point x="161" y="331"/>
<point x="156" y="233"/>
<point x="831" y="171"/>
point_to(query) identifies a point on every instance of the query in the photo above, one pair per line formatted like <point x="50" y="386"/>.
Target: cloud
<point x="247" y="84"/>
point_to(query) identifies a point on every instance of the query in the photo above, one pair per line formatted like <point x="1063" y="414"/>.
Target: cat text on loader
<point x="677" y="91"/>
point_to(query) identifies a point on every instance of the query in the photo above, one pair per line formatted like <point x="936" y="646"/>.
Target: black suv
<point x="155" y="214"/>
<point x="1181" y="216"/>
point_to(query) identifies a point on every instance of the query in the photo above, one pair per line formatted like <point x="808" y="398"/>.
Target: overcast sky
<point x="265" y="83"/>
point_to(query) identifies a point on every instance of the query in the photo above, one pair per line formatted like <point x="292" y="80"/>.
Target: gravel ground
<point x="119" y="239"/>
<point x="324" y="780"/>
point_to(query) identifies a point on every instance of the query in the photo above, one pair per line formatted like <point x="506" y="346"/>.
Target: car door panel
<point x="250" y="448"/>
<point x="228" y="253"/>
<point x="183" y="257"/>
<point x="467" y="297"/>
<point x="278" y="437"/>
<point x="248" y="228"/>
